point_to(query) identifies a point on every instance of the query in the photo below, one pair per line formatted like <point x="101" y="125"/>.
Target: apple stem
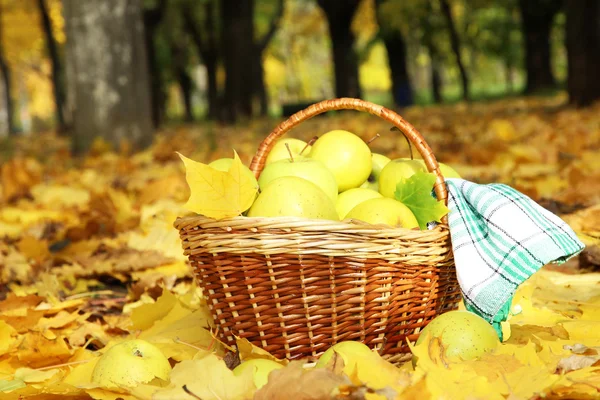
<point x="310" y="143"/>
<point x="373" y="138"/>
<point x="287" y="146"/>
<point x="188" y="391"/>
<point x="395" y="128"/>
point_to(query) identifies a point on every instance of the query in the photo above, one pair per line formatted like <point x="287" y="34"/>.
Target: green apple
<point x="223" y="164"/>
<point x="346" y="155"/>
<point x="462" y="333"/>
<point x="378" y="162"/>
<point x="384" y="210"/>
<point x="280" y="151"/>
<point x="350" y="351"/>
<point x="446" y="170"/>
<point x="261" y="367"/>
<point x="130" y="363"/>
<point x="349" y="199"/>
<point x="395" y="171"/>
<point x="293" y="196"/>
<point x="307" y="168"/>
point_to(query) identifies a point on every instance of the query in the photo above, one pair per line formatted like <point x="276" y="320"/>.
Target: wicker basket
<point x="296" y="286"/>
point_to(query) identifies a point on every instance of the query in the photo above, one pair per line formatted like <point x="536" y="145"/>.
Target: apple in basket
<point x="346" y="155"/>
<point x="309" y="169"/>
<point x="384" y="211"/>
<point x="293" y="196"/>
<point x="298" y="148"/>
<point x="378" y="162"/>
<point x="395" y="171"/>
<point x="223" y="164"/>
<point x="349" y="199"/>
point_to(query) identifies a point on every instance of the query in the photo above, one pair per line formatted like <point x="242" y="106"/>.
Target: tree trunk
<point x="184" y="80"/>
<point x="583" y="51"/>
<point x="345" y="61"/>
<point x="186" y="86"/>
<point x="508" y="76"/>
<point x="237" y="47"/>
<point x="436" y="81"/>
<point x="57" y="81"/>
<point x="207" y="50"/>
<point x="397" y="61"/>
<point x="434" y="57"/>
<point x="536" y="22"/>
<point x="109" y="87"/>
<point x="455" y="44"/>
<point x="259" y="74"/>
<point x="5" y="71"/>
<point x="152" y="19"/>
<point x="260" y="89"/>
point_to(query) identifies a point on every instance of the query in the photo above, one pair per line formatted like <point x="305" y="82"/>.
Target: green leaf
<point x="415" y="193"/>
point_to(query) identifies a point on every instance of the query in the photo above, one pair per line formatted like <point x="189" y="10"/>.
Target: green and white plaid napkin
<point x="500" y="237"/>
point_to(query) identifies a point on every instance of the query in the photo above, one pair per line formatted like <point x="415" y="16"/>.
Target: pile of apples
<point x="336" y="178"/>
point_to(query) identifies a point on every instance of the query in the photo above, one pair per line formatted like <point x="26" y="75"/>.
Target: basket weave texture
<point x="296" y="286"/>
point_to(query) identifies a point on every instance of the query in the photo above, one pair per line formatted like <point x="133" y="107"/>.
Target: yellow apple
<point x="446" y="170"/>
<point x="378" y="162"/>
<point x="307" y="168"/>
<point x="280" y="151"/>
<point x="384" y="210"/>
<point x="346" y="155"/>
<point x="292" y="196"/>
<point x="130" y="363"/>
<point x="350" y="351"/>
<point x="463" y="334"/>
<point x="349" y="199"/>
<point x="261" y="367"/>
<point x="223" y="164"/>
<point x="395" y="171"/>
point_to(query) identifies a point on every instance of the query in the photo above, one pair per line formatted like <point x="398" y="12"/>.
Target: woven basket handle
<point x="417" y="140"/>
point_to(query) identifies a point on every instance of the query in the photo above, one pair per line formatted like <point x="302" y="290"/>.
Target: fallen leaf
<point x="207" y="378"/>
<point x="295" y="382"/>
<point x="217" y="194"/>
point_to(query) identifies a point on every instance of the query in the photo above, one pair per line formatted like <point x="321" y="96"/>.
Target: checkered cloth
<point x="500" y="237"/>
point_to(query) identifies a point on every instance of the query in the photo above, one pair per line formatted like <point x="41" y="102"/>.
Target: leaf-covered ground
<point x="89" y="257"/>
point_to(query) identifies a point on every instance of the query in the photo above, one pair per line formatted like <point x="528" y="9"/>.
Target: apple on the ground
<point x="292" y="196"/>
<point x="349" y="350"/>
<point x="130" y="363"/>
<point x="280" y="151"/>
<point x="307" y="168"/>
<point x="384" y="210"/>
<point x="346" y="155"/>
<point x="349" y="199"/>
<point x="462" y="333"/>
<point x="378" y="162"/>
<point x="261" y="367"/>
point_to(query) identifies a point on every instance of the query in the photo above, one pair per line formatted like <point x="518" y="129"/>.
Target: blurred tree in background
<point x="108" y="85"/>
<point x="228" y="60"/>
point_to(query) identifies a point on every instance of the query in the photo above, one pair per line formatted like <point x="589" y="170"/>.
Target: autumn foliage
<point x="89" y="258"/>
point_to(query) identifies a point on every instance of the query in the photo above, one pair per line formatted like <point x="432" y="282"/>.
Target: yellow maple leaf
<point x="218" y="194"/>
<point x="207" y="378"/>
